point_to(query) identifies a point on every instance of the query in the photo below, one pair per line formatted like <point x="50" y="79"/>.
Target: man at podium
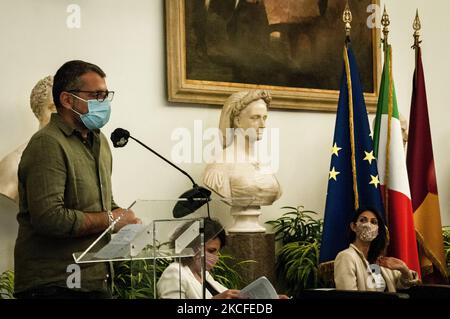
<point x="65" y="194"/>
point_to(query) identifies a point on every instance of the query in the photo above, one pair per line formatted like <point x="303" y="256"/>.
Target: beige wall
<point x="126" y="38"/>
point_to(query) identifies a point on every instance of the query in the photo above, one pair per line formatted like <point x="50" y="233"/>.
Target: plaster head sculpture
<point x="239" y="176"/>
<point x="41" y="102"/>
<point x="404" y="126"/>
<point x="245" y="110"/>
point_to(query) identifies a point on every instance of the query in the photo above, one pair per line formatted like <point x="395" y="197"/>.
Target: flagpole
<point x="385" y="21"/>
<point x="437" y="258"/>
<point x="416" y="46"/>
<point x="347" y="18"/>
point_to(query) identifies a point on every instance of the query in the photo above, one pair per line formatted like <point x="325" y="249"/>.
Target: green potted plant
<point x="227" y="271"/>
<point x="135" y="280"/>
<point x="7" y="285"/>
<point x="299" y="234"/>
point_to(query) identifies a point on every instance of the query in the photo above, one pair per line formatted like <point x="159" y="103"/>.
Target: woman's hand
<point x="394" y="264"/>
<point x="228" y="294"/>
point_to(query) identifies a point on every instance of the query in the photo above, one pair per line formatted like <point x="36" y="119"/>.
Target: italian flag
<point x="390" y="155"/>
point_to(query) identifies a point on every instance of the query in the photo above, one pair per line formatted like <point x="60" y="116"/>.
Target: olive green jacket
<point x="61" y="176"/>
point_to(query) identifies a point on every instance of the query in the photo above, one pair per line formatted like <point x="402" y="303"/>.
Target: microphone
<point x="196" y="197"/>
<point x="120" y="137"/>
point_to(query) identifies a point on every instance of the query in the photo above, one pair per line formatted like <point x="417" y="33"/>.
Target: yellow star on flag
<point x="335" y="149"/>
<point x="333" y="173"/>
<point x="375" y="181"/>
<point x="369" y="157"/>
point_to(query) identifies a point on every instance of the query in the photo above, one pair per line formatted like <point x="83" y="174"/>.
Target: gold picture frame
<point x="182" y="88"/>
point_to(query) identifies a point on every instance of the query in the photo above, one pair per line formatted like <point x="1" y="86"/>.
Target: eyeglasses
<point x="99" y="95"/>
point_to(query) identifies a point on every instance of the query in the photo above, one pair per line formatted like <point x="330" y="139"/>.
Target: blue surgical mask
<point x="97" y="115"/>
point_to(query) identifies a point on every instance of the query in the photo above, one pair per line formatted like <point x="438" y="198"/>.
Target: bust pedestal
<point x="246" y="220"/>
<point x="259" y="247"/>
<point x="8" y="232"/>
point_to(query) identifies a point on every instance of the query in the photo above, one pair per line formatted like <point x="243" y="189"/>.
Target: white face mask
<point x="211" y="260"/>
<point x="366" y="231"/>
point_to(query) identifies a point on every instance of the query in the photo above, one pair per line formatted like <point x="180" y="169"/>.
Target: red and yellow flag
<point x="422" y="180"/>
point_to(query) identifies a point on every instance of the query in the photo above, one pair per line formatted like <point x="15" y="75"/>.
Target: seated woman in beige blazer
<point x="185" y="281"/>
<point x="362" y="266"/>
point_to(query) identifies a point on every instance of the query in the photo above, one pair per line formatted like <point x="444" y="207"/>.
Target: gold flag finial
<point x="417" y="26"/>
<point x="347" y="18"/>
<point x="385" y="22"/>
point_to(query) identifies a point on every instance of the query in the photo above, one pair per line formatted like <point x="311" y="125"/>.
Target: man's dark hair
<point x="68" y="77"/>
<point x="377" y="245"/>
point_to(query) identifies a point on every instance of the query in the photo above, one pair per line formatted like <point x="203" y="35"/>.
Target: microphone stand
<point x="202" y="229"/>
<point x="200" y="191"/>
<point x="202" y="234"/>
<point x="165" y="160"/>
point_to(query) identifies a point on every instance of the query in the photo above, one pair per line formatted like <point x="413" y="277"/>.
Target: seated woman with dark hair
<point x="185" y="281"/>
<point x="362" y="266"/>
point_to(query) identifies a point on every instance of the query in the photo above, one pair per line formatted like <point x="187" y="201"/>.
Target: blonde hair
<point x="41" y="98"/>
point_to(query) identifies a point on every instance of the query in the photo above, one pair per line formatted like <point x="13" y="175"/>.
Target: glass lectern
<point x="139" y="253"/>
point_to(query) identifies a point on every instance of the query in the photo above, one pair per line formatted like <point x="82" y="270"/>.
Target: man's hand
<point x="95" y="223"/>
<point x="126" y="217"/>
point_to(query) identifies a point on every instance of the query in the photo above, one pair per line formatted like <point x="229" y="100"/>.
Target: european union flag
<point x="353" y="178"/>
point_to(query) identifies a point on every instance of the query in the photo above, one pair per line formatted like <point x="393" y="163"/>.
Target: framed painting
<point x="293" y="48"/>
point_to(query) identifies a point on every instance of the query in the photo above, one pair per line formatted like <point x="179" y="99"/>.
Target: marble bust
<point x="41" y="102"/>
<point x="237" y="174"/>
